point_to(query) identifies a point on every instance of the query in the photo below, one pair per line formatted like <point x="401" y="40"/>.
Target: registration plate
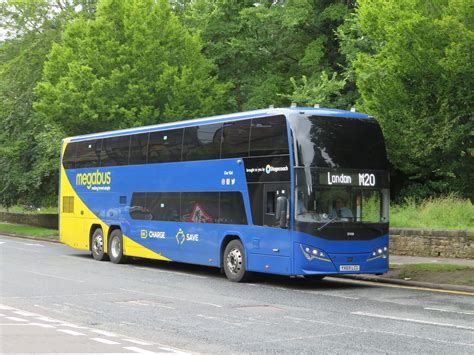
<point x="349" y="268"/>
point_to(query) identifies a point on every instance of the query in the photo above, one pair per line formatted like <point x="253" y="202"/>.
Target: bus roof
<point x="223" y="118"/>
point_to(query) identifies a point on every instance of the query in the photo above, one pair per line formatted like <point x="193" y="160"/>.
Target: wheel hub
<point x="98" y="244"/>
<point x="234" y="261"/>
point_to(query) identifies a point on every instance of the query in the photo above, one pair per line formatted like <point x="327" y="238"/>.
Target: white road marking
<point x="6" y="308"/>
<point x="70" y="332"/>
<point x="25" y="314"/>
<point x="54" y="276"/>
<point x="34" y="244"/>
<point x="16" y="319"/>
<point x="104" y="332"/>
<point x="2" y="243"/>
<point x="69" y="325"/>
<point x="139" y="342"/>
<point x="138" y="350"/>
<point x="46" y="319"/>
<point x="175" y="351"/>
<point x="42" y="325"/>
<point x="448" y="310"/>
<point x="329" y="294"/>
<point x="413" y="320"/>
<point x="172" y="298"/>
<point x="105" y="341"/>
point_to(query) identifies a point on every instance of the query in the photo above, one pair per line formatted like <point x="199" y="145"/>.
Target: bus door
<point x="270" y="198"/>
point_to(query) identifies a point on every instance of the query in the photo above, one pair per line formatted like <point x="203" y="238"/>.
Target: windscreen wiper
<point x="325" y="224"/>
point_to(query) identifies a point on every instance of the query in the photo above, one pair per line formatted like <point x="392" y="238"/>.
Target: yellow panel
<point x="74" y="227"/>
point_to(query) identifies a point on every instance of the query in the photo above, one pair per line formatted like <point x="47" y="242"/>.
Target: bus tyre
<point x="116" y="247"/>
<point x="234" y="262"/>
<point x="97" y="245"/>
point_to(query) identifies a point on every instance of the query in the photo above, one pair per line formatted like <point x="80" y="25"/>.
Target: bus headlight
<point x="379" y="253"/>
<point x="312" y="253"/>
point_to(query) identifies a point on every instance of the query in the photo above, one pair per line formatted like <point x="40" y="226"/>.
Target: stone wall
<point x="38" y="220"/>
<point x="430" y="242"/>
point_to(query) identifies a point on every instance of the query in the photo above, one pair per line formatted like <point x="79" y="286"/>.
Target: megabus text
<point x="94" y="179"/>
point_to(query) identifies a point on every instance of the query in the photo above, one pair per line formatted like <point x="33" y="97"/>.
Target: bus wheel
<point x="234" y="262"/>
<point x="116" y="247"/>
<point x="97" y="245"/>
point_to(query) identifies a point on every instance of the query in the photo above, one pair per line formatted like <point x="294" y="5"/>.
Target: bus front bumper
<point x="312" y="261"/>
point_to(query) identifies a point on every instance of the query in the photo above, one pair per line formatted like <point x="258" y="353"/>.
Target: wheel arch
<point x="92" y="229"/>
<point x="226" y="240"/>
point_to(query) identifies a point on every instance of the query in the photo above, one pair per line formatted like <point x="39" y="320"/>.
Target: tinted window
<point x="338" y="142"/>
<point x="165" y="146"/>
<point x="163" y="206"/>
<point x="235" y="139"/>
<point x="115" y="151"/>
<point x="268" y="136"/>
<point x="88" y="154"/>
<point x="200" y="207"/>
<point x="232" y="209"/>
<point x="138" y="148"/>
<point x="138" y="208"/>
<point x="69" y="157"/>
<point x="256" y="203"/>
<point x="202" y="142"/>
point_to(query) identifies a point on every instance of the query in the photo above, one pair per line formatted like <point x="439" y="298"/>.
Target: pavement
<point x="55" y="299"/>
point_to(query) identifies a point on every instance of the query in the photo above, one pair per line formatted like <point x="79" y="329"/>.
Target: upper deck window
<point x="88" y="153"/>
<point x="202" y="142"/>
<point x="268" y="136"/>
<point x="235" y="139"/>
<point x="115" y="151"/>
<point x="165" y="146"/>
<point x="338" y="142"/>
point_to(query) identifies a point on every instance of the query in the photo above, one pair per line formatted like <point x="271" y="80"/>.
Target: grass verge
<point x="448" y="212"/>
<point x="29" y="210"/>
<point x="434" y="273"/>
<point x="27" y="230"/>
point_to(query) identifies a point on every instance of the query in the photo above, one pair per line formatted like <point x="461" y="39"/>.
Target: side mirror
<point x="280" y="213"/>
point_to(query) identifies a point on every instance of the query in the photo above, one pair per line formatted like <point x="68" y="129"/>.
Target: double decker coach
<point x="289" y="191"/>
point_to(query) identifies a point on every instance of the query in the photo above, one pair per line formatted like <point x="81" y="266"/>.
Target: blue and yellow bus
<point x="290" y="191"/>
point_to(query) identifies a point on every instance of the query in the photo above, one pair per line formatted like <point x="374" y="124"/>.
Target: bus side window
<point x="69" y="158"/>
<point x="235" y="139"/>
<point x="232" y="208"/>
<point x="88" y="154"/>
<point x="268" y="136"/>
<point x="165" y="146"/>
<point x="115" y="151"/>
<point x="138" y="148"/>
<point x="202" y="142"/>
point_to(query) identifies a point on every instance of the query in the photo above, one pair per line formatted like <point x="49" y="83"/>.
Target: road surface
<point x="56" y="299"/>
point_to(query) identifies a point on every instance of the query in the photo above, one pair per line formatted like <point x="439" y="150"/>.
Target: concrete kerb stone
<point x="420" y="284"/>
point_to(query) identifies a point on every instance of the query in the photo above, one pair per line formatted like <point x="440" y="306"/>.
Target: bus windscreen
<point x="338" y="142"/>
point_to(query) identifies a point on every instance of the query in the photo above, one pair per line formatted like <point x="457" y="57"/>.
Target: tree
<point x="258" y="46"/>
<point x="29" y="29"/>
<point x="133" y="64"/>
<point x="416" y="76"/>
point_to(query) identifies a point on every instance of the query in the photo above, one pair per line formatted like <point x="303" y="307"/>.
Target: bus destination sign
<point x="363" y="179"/>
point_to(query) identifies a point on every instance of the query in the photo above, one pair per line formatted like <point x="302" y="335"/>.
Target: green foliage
<point x="28" y="153"/>
<point x="414" y="73"/>
<point x="134" y="64"/>
<point x="448" y="212"/>
<point x="258" y="46"/>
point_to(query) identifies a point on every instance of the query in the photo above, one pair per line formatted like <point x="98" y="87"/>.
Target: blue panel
<point x="269" y="264"/>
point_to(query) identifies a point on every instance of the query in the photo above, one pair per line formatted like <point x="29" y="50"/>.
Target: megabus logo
<point x="96" y="181"/>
